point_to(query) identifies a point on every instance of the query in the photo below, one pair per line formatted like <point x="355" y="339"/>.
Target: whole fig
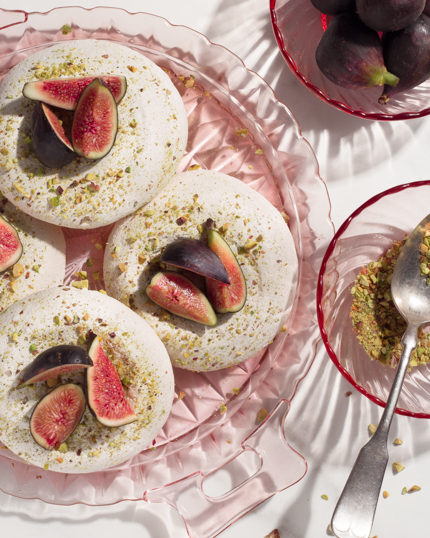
<point x="389" y="15"/>
<point x="350" y="54"/>
<point x="407" y="55"/>
<point x="334" y="7"/>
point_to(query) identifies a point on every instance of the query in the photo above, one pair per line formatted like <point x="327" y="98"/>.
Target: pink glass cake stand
<point x="199" y="437"/>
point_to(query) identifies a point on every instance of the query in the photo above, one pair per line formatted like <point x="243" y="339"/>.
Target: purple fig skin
<point x="334" y="7"/>
<point x="350" y="54"/>
<point x="407" y="55"/>
<point x="50" y="146"/>
<point x="195" y="256"/>
<point x="427" y="8"/>
<point x="389" y="15"/>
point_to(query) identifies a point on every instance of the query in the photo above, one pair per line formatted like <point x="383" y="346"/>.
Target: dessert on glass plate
<point x="107" y="168"/>
<point x="127" y="404"/>
<point x="157" y="262"/>
<point x="32" y="254"/>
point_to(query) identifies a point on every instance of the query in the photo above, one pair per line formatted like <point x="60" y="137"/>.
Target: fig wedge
<point x="53" y="362"/>
<point x="178" y="295"/>
<point x="95" y="123"/>
<point x="65" y="92"/>
<point x="50" y="143"/>
<point x="223" y="297"/>
<point x="105" y="393"/>
<point x="195" y="256"/>
<point x="56" y="416"/>
<point x="10" y="245"/>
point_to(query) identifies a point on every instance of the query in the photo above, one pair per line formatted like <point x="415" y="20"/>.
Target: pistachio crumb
<point x="261" y="415"/>
<point x="372" y="428"/>
<point x="398" y="441"/>
<point x="80" y="284"/>
<point x="398" y="467"/>
<point x="324" y="497"/>
<point x="385" y="494"/>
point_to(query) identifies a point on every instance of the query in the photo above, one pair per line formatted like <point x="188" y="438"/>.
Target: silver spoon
<point x="355" y="509"/>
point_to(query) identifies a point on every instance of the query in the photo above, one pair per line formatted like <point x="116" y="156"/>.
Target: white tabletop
<point x="357" y="159"/>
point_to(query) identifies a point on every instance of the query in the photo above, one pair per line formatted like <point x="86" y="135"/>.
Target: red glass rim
<point x="320" y="313"/>
<point x="323" y="96"/>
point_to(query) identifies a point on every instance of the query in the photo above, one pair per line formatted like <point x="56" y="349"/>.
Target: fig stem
<point x="389" y="78"/>
<point x="383" y="100"/>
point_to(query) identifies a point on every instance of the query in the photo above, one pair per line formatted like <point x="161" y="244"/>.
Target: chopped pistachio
<point x="241" y="132"/>
<point x="223" y="408"/>
<point x="96" y="275"/>
<point x="103" y="291"/>
<point x="398" y="467"/>
<point x="66" y="29"/>
<point x="98" y="246"/>
<point x="236" y="391"/>
<point x="57" y="320"/>
<point x="17" y="270"/>
<point x="33" y="348"/>
<point x="132" y="68"/>
<point x="90" y="177"/>
<point x="149" y="213"/>
<point x="63" y="448"/>
<point x="261" y="415"/>
<point x="385" y="494"/>
<point x="52" y="382"/>
<point x="128" y="170"/>
<point x="80" y="284"/>
<point x="89" y="262"/>
<point x="404" y="491"/>
<point x="15" y="336"/>
<point x="398" y="441"/>
<point x="372" y="428"/>
<point x="36" y="268"/>
<point x="55" y="201"/>
<point x="82" y="274"/>
<point x="413" y="489"/>
<point x="122" y="267"/>
<point x="324" y="497"/>
<point x="259" y="152"/>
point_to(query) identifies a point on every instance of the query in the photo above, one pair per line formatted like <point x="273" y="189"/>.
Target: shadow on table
<point x="368" y="143"/>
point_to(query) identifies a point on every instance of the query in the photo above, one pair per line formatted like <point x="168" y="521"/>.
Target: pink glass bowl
<point x="226" y="96"/>
<point x="364" y="237"/>
<point x="298" y="27"/>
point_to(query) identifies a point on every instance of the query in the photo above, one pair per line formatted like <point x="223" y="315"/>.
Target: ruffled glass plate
<point x="223" y="98"/>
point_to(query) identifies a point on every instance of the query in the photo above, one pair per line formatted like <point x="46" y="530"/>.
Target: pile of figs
<point x="59" y="412"/>
<point x="225" y="284"/>
<point x="93" y="124"/>
<point x="375" y="43"/>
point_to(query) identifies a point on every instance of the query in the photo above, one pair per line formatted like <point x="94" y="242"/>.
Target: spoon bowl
<point x="355" y="510"/>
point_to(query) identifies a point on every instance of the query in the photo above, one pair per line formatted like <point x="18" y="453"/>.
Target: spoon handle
<point x="355" y="509"/>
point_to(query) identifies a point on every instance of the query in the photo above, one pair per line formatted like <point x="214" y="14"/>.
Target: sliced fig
<point x="53" y="362"/>
<point x="349" y="54"/>
<point x="10" y="245"/>
<point x="226" y="297"/>
<point x="178" y="295"/>
<point x="194" y="255"/>
<point x="65" y="92"/>
<point x="105" y="393"/>
<point x="95" y="123"/>
<point x="57" y="414"/>
<point x="50" y="143"/>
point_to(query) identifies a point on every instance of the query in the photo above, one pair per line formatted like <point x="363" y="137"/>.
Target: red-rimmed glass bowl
<point x="226" y="96"/>
<point x="298" y="27"/>
<point x="364" y="237"/>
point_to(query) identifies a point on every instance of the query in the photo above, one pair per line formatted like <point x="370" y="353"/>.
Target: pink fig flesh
<point x="95" y="123"/>
<point x="65" y="92"/>
<point x="105" y="393"/>
<point x="10" y="245"/>
<point x="178" y="295"/>
<point x="226" y="297"/>
<point x="56" y="415"/>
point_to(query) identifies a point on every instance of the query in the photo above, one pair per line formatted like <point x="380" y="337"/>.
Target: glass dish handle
<point x="12" y="18"/>
<point x="280" y="467"/>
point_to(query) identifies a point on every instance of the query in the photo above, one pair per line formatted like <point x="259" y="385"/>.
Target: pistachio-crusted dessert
<point x="196" y="205"/>
<point x="377" y="323"/>
<point x="42" y="261"/>
<point x="86" y="193"/>
<point x="65" y="316"/>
